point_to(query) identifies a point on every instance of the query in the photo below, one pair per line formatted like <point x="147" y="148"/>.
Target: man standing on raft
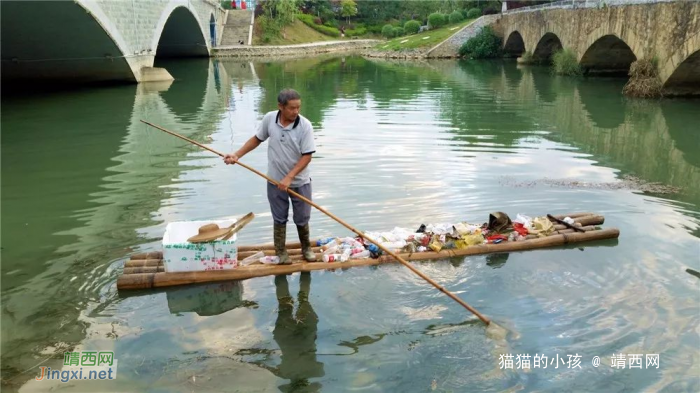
<point x="288" y="156"/>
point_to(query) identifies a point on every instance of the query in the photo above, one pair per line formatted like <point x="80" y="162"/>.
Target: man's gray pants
<point x="279" y="204"/>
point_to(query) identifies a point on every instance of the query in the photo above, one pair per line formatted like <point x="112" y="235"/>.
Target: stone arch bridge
<point x="103" y="40"/>
<point x="609" y="39"/>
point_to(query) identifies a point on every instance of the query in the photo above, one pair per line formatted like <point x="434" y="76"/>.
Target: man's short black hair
<point x="287" y="95"/>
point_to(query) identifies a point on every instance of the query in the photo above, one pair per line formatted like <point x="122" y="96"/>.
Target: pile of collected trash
<point x="434" y="237"/>
<point x="438" y="237"/>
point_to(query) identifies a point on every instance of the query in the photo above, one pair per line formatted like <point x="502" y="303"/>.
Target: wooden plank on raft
<point x="144" y="269"/>
<point x="238" y="225"/>
<point x="153" y="280"/>
<point x="147" y="255"/>
<point x="143" y="262"/>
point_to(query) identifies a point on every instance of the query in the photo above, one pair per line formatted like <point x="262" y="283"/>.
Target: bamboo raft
<point x="146" y="270"/>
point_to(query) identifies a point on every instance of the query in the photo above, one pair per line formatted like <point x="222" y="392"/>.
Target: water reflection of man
<point x="296" y="338"/>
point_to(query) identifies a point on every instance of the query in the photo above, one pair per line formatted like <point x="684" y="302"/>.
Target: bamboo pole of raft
<point x="136" y="265"/>
<point x="343" y="223"/>
<point x="157" y="280"/>
<point x="585" y="219"/>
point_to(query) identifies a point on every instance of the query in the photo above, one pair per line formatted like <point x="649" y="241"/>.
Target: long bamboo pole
<point x="343" y="223"/>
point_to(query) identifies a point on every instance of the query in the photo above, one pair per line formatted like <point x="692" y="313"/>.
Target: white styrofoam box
<point x="181" y="256"/>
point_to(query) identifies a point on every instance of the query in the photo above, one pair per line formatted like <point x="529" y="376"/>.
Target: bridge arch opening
<point x="548" y="45"/>
<point x="515" y="45"/>
<point x="181" y="36"/>
<point x="608" y="55"/>
<point x="685" y="80"/>
<point x="60" y="44"/>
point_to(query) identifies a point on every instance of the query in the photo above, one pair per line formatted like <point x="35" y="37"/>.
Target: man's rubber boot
<point x="280" y="238"/>
<point x="309" y="254"/>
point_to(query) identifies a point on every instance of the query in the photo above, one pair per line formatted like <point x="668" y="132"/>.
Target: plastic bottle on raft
<point x="357" y="250"/>
<point x="331" y="257"/>
<point x="329" y="245"/>
<point x="321" y="242"/>
<point x="360" y="255"/>
<point x="253" y="258"/>
<point x="270" y="260"/>
<point x="393" y="246"/>
<point x="334" y="249"/>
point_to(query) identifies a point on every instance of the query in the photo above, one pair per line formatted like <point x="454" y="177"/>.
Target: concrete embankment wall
<point x="294" y="50"/>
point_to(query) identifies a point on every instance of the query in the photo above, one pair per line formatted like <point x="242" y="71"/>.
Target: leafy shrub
<point x="564" y="62"/>
<point x="486" y="44"/>
<point x="411" y="27"/>
<point x="456" y="17"/>
<point x="388" y="31"/>
<point x="375" y="29"/>
<point x="473" y="13"/>
<point x="318" y="21"/>
<point x="307" y="19"/>
<point x="356" y="32"/>
<point x="323" y="29"/>
<point x="398" y="31"/>
<point x="436" y="20"/>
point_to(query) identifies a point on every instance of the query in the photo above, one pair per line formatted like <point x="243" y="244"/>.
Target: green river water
<point x="85" y="184"/>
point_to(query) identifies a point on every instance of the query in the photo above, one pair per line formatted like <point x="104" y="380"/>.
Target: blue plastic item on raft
<point x="321" y="242"/>
<point x="373" y="248"/>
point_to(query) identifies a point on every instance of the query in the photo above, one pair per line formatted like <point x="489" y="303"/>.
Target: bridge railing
<point x="573" y="4"/>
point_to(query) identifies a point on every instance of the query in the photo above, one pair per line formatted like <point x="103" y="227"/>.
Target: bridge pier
<point x="155" y="74"/>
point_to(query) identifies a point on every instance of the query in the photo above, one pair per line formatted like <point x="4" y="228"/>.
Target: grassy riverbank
<point x="425" y="39"/>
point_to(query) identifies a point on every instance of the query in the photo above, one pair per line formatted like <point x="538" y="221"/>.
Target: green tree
<point x="486" y="44"/>
<point x="321" y="8"/>
<point x="436" y="20"/>
<point x="411" y="27"/>
<point x="474" y="13"/>
<point x="456" y="17"/>
<point x="348" y="8"/>
<point x="388" y="31"/>
<point x="284" y="11"/>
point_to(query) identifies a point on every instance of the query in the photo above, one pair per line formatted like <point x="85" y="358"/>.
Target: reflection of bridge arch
<point x="149" y="160"/>
<point x="599" y="120"/>
<point x="185" y="97"/>
<point x="603" y="123"/>
<point x="127" y="173"/>
<point x="601" y="98"/>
